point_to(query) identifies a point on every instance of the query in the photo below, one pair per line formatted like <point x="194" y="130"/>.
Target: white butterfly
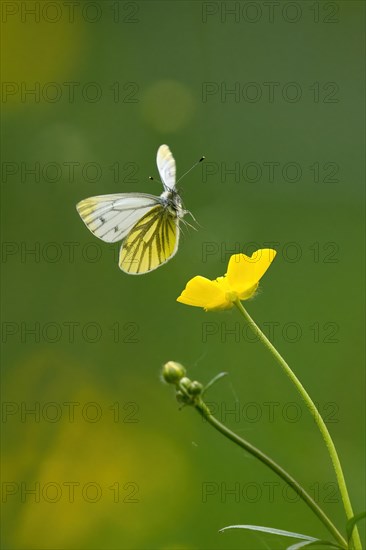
<point x="148" y="225"/>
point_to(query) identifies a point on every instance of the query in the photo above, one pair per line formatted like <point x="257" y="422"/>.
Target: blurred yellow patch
<point x="68" y="482"/>
<point x="35" y="54"/>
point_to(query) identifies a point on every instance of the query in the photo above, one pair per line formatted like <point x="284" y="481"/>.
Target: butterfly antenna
<point x="195" y="164"/>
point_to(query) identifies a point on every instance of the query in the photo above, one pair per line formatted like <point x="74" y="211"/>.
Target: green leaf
<point x="309" y="543"/>
<point x="301" y="544"/>
<point x="272" y="531"/>
<point x="351" y="523"/>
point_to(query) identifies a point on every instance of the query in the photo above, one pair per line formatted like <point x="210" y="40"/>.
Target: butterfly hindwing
<point x="111" y="217"/>
<point x="151" y="242"/>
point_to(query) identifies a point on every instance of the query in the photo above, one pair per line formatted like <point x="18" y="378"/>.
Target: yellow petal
<point x="244" y="272"/>
<point x="201" y="292"/>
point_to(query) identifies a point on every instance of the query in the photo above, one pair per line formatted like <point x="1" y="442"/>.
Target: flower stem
<point x="317" y="417"/>
<point x="204" y="411"/>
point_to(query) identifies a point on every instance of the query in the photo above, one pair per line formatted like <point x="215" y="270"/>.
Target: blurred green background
<point x="112" y="461"/>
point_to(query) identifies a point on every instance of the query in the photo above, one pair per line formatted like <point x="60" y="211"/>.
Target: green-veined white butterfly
<point x="147" y="225"/>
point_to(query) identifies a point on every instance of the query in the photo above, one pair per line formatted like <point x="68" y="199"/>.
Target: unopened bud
<point x="173" y="372"/>
<point x="195" y="388"/>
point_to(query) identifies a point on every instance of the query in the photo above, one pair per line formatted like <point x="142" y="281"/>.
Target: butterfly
<point x="147" y="225"/>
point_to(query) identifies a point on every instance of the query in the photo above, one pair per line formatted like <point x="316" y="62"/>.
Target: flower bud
<point x="173" y="372"/>
<point x="195" y="388"/>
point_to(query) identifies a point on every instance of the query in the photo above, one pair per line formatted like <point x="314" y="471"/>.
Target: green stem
<point x="317" y="417"/>
<point x="205" y="412"/>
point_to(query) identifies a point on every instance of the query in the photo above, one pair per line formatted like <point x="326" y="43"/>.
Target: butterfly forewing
<point x="111" y="217"/>
<point x="150" y="243"/>
<point x="166" y="166"/>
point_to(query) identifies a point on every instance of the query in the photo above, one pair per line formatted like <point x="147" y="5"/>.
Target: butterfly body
<point x="147" y="224"/>
<point x="173" y="203"/>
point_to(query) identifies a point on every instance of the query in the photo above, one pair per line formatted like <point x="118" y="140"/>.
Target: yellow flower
<point x="240" y="282"/>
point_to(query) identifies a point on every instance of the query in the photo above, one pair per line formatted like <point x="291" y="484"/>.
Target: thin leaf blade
<point x="272" y="531"/>
<point x="351" y="523"/>
<point x="299" y="545"/>
<point x="309" y="543"/>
